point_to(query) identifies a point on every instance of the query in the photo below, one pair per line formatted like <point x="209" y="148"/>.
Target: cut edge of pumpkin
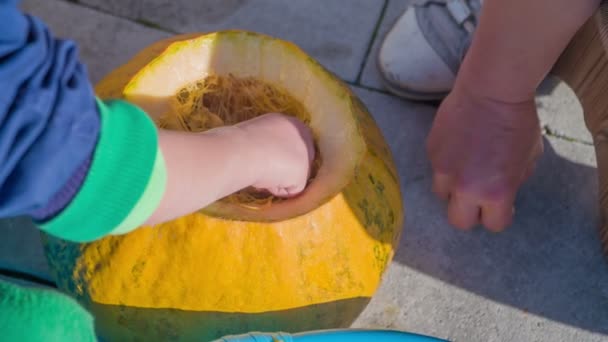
<point x="247" y="55"/>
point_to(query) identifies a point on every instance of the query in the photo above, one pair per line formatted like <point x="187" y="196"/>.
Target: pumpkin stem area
<point x="216" y="101"/>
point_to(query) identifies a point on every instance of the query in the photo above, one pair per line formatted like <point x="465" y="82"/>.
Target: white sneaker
<point x="421" y="54"/>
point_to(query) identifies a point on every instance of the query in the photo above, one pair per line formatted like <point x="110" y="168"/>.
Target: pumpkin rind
<point x="206" y="275"/>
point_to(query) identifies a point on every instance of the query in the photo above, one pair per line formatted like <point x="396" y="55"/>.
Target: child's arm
<point x="272" y="152"/>
<point x="486" y="137"/>
<point x="84" y="168"/>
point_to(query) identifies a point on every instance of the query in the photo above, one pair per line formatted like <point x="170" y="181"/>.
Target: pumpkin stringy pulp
<point x="217" y="101"/>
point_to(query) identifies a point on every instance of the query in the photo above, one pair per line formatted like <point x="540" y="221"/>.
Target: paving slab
<point x="405" y="126"/>
<point x="560" y="111"/>
<point x="105" y="41"/>
<point x="544" y="279"/>
<point x="337" y="33"/>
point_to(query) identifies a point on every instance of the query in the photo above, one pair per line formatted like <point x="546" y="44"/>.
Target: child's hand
<point x="272" y="152"/>
<point x="481" y="151"/>
<point x="285" y="151"/>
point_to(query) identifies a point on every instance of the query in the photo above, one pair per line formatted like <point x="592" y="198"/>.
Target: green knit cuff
<point x="149" y="201"/>
<point x="121" y="169"/>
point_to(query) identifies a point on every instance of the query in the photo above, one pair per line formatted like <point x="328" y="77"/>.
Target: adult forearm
<point x="518" y="41"/>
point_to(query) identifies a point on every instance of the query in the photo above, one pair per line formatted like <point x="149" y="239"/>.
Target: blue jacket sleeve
<point x="49" y="121"/>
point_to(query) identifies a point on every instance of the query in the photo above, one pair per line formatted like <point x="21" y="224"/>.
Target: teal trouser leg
<point x="33" y="314"/>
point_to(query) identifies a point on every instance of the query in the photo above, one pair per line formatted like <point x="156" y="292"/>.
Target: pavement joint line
<point x="549" y="132"/>
<point x="372" y="89"/>
<point x="370" y="44"/>
<point x="138" y="21"/>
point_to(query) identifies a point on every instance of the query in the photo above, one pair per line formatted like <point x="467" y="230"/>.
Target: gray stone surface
<point x="544" y="279"/>
<point x="405" y="126"/>
<point x="105" y="42"/>
<point x="337" y="33"/>
<point x="560" y="111"/>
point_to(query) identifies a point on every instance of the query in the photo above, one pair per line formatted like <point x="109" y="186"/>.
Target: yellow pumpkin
<point x="245" y="263"/>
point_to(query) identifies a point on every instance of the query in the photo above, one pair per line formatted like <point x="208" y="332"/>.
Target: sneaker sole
<point x="407" y="93"/>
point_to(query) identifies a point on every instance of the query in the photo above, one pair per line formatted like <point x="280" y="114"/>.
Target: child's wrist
<point x="248" y="162"/>
<point x="255" y="158"/>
